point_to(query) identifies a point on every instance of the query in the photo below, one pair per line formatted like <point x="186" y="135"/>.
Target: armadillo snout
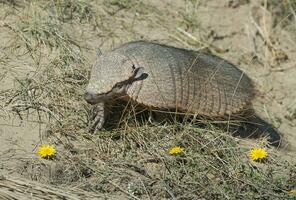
<point x="89" y="98"/>
<point x="93" y="98"/>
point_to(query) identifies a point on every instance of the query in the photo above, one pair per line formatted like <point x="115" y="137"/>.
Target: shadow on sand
<point x="246" y="125"/>
<point x="255" y="127"/>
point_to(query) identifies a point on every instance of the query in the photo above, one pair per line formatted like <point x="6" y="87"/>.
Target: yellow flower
<point x="176" y="150"/>
<point x="46" y="151"/>
<point x="258" y="154"/>
<point x="292" y="192"/>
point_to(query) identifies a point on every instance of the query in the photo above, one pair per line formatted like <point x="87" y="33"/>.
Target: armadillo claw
<point x="97" y="124"/>
<point x="97" y="119"/>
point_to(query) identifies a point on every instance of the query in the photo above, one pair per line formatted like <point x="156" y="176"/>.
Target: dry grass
<point x="132" y="159"/>
<point x="11" y="189"/>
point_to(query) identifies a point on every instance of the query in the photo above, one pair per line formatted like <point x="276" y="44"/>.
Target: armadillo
<point x="168" y="78"/>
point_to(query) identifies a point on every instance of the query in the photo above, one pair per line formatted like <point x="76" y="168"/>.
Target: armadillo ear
<point x="139" y="73"/>
<point x="99" y="52"/>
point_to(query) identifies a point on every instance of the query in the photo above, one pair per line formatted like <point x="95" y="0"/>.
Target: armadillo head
<point x="111" y="75"/>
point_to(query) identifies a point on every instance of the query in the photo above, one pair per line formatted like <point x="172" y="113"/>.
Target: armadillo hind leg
<point x="98" y="117"/>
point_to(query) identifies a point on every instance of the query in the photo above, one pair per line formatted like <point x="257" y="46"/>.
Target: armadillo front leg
<point x="98" y="117"/>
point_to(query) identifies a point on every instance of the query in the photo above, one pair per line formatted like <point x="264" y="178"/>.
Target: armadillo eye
<point x="120" y="84"/>
<point x="116" y="85"/>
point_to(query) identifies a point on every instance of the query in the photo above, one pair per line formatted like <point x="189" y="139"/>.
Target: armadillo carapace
<point x="165" y="77"/>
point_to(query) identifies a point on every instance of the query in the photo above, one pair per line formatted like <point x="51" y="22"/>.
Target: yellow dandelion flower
<point x="258" y="154"/>
<point x="46" y="151"/>
<point x="176" y="150"/>
<point x="292" y="192"/>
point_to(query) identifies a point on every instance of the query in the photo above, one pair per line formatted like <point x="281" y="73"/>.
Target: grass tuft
<point x="66" y="10"/>
<point x="137" y="161"/>
<point x="285" y="11"/>
<point x="125" y="4"/>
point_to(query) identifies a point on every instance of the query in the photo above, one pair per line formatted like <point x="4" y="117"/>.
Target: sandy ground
<point x="237" y="32"/>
